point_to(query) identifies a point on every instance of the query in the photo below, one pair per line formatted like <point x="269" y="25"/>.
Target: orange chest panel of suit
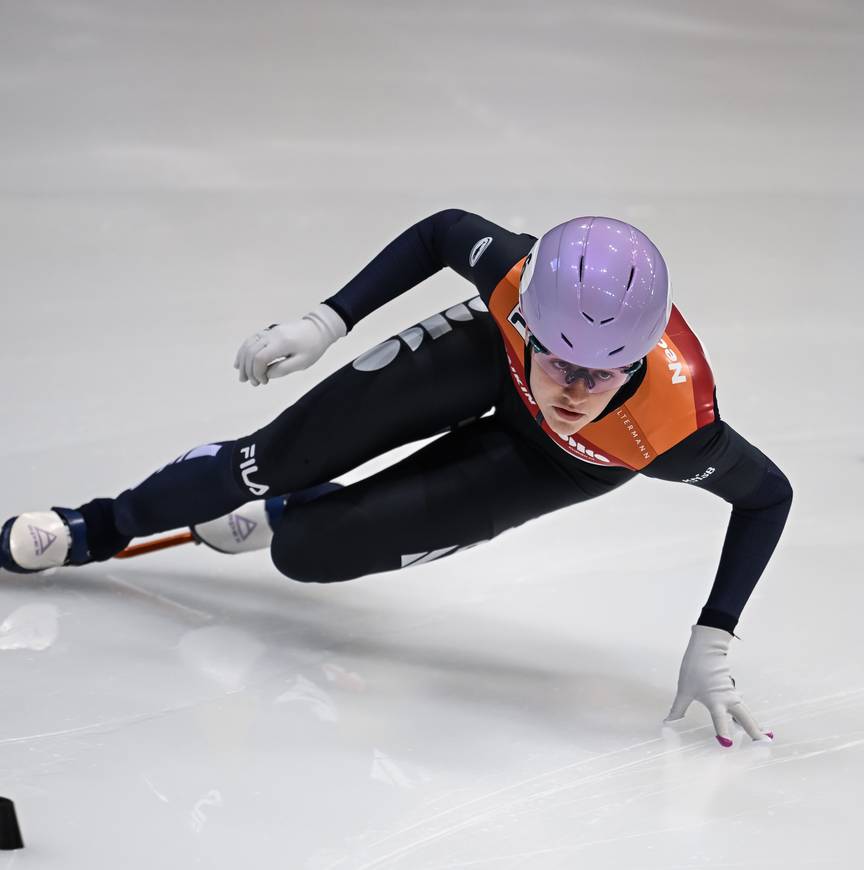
<point x="675" y="398"/>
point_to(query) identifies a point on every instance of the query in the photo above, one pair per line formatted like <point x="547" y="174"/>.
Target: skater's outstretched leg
<point x="199" y="489"/>
<point x="428" y="379"/>
<point x="197" y="486"/>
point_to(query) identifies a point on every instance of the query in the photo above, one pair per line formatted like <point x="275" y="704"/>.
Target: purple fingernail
<point x="769" y="734"/>
<point x="724" y="741"/>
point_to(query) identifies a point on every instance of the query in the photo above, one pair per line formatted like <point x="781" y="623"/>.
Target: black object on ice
<point x="10" y="833"/>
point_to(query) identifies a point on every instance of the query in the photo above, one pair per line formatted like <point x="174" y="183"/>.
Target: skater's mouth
<point x="568" y="415"/>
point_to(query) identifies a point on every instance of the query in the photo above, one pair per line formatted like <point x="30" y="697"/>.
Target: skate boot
<point x="36" y="541"/>
<point x="251" y="526"/>
<point x="248" y="528"/>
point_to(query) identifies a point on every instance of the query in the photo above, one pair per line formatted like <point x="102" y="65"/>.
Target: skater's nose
<point x="577" y="391"/>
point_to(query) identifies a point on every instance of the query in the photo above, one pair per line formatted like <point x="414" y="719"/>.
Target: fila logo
<point x="674" y="363"/>
<point x="478" y="249"/>
<point x="247" y="468"/>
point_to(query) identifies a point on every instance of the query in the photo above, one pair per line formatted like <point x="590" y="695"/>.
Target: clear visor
<point x="567" y="373"/>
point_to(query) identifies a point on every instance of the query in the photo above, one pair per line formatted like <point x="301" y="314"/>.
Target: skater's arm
<point x="476" y="248"/>
<point x="446" y="238"/>
<point x="718" y="459"/>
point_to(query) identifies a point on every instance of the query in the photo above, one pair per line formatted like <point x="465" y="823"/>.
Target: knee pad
<point x="307" y="546"/>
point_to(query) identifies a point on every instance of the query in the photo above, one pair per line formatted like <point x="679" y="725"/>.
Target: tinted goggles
<point x="567" y="373"/>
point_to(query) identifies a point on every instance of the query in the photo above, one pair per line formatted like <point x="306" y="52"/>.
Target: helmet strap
<point x="526" y="364"/>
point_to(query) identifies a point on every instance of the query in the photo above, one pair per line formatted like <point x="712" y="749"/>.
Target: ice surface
<point x="175" y="175"/>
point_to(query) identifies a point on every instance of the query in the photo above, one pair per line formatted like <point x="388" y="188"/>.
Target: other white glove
<point x="288" y="347"/>
<point x="705" y="677"/>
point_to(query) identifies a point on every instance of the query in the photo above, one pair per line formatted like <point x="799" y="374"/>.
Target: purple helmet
<point x="595" y="291"/>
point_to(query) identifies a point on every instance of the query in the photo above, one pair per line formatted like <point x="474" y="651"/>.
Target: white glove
<point x="705" y="677"/>
<point x="288" y="347"/>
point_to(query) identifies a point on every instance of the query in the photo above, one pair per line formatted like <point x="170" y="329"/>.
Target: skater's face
<point x="566" y="408"/>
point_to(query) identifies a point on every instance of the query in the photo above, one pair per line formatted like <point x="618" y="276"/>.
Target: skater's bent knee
<point x="305" y="549"/>
<point x="305" y="567"/>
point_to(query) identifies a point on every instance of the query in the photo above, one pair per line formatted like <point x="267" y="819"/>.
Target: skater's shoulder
<point x="486" y="253"/>
<point x="676" y="395"/>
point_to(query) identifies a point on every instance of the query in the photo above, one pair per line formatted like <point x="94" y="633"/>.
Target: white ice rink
<point x="175" y="175"/>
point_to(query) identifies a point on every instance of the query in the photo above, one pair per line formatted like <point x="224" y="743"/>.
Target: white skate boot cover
<point x="244" y="530"/>
<point x="39" y="540"/>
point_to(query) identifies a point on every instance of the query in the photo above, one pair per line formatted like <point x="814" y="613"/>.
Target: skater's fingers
<point x="744" y="718"/>
<point x="679" y="707"/>
<point x="243" y="367"/>
<point x="721" y="725"/>
<point x="247" y="350"/>
<point x="248" y="371"/>
<point x="256" y="347"/>
<point x="259" y="365"/>
<point x="240" y="361"/>
<point x="284" y="367"/>
<point x="238" y="357"/>
<point x="243" y="359"/>
<point x="248" y="345"/>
